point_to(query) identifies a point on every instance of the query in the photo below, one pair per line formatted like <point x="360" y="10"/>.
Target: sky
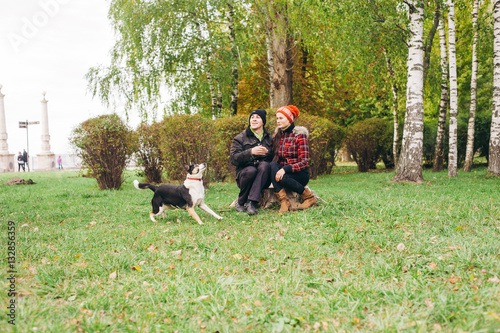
<point x="49" y="46"/>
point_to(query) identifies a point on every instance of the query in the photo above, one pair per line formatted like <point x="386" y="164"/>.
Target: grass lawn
<point x="378" y="256"/>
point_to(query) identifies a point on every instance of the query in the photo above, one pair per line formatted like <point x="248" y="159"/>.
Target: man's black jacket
<point x="241" y="155"/>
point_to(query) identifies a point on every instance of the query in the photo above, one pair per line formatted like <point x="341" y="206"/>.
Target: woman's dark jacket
<point x="241" y="155"/>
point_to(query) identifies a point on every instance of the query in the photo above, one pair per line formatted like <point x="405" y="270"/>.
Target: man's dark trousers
<point x="252" y="180"/>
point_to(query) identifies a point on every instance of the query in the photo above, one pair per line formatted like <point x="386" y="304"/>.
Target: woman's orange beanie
<point x="291" y="112"/>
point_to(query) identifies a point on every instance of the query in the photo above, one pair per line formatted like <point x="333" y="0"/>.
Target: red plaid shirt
<point x="294" y="151"/>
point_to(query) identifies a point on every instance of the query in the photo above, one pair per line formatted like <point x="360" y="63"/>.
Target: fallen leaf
<point x="258" y="302"/>
<point x="136" y="268"/>
<point x="429" y="303"/>
<point x="152" y="248"/>
<point x="237" y="256"/>
<point x="494" y="279"/>
<point x="203" y="298"/>
<point x="316" y="326"/>
<point x="433" y="265"/>
<point x="112" y="276"/>
<point x="36" y="229"/>
<point x="176" y="253"/>
<point x="454" y="279"/>
<point x="401" y="247"/>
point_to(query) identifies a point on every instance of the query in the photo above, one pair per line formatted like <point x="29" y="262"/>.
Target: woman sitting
<point x="290" y="166"/>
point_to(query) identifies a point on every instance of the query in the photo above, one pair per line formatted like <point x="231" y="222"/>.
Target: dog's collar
<point x="194" y="179"/>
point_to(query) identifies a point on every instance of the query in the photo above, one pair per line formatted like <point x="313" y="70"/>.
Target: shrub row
<point x="193" y="138"/>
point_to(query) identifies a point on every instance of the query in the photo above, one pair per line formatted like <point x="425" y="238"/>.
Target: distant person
<point x="20" y="162"/>
<point x="25" y="158"/>
<point x="59" y="162"/>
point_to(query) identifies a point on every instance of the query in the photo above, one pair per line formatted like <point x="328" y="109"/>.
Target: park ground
<point x="378" y="256"/>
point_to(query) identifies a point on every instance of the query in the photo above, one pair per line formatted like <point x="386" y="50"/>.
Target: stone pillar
<point x="7" y="161"/>
<point x="46" y="160"/>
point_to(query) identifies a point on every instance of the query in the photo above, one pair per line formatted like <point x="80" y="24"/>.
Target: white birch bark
<point x="469" y="154"/>
<point x="409" y="167"/>
<point x="234" y="51"/>
<point x="394" y="87"/>
<point x="270" y="63"/>
<point x="453" y="150"/>
<point x="494" y="154"/>
<point x="443" y="104"/>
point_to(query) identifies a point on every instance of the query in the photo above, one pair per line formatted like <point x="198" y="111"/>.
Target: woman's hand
<point x="280" y="174"/>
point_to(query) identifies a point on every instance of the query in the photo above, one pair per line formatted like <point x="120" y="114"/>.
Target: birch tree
<point x="443" y="104"/>
<point x="234" y="65"/>
<point x="494" y="154"/>
<point x="469" y="154"/>
<point x="452" y="56"/>
<point x="409" y="167"/>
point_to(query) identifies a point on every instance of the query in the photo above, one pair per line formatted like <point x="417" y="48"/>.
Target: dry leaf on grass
<point x="152" y="248"/>
<point x="112" y="276"/>
<point x="401" y="247"/>
<point x="429" y="303"/>
<point x="433" y="265"/>
<point x="494" y="279"/>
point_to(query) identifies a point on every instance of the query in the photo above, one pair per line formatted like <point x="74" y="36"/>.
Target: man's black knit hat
<point x="261" y="113"/>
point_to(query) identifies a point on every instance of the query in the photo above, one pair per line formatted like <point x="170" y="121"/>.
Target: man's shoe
<point x="240" y="208"/>
<point x="251" y="208"/>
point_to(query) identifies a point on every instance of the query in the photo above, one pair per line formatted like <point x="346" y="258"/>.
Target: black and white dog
<point x="186" y="196"/>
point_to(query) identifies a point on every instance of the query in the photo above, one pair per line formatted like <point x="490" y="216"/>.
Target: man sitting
<point x="251" y="153"/>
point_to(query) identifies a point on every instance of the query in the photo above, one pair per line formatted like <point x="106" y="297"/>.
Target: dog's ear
<point x="186" y="166"/>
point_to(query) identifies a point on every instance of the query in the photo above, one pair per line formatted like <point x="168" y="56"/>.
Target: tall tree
<point x="234" y="52"/>
<point x="178" y="50"/>
<point x="469" y="154"/>
<point x="494" y="155"/>
<point x="409" y="167"/>
<point x="282" y="53"/>
<point x="395" y="120"/>
<point x="443" y="104"/>
<point x="453" y="130"/>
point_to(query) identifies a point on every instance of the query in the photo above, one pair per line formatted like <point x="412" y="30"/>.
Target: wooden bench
<point x="268" y="197"/>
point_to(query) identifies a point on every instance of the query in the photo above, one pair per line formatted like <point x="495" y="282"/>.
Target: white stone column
<point x="46" y="159"/>
<point x="6" y="159"/>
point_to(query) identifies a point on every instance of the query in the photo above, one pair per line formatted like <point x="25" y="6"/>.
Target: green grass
<point x="334" y="267"/>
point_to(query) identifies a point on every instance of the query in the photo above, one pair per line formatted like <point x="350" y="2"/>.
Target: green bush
<point x="185" y="139"/>
<point x="105" y="144"/>
<point x="149" y="155"/>
<point x="325" y="140"/>
<point x="225" y="130"/>
<point x="367" y="141"/>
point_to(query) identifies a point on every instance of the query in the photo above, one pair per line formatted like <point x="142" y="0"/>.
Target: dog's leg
<point x="209" y="211"/>
<point x="194" y="215"/>
<point x="152" y="216"/>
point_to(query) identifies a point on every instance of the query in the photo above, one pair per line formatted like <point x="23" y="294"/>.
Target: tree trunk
<point x="453" y="150"/>
<point x="282" y="56"/>
<point x="409" y="167"/>
<point x="494" y="158"/>
<point x="270" y="62"/>
<point x="469" y="154"/>
<point x="394" y="87"/>
<point x="215" y="105"/>
<point x="234" y="51"/>
<point x="443" y="104"/>
<point x="430" y="38"/>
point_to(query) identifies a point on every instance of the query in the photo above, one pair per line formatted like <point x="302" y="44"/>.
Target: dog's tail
<point x="143" y="186"/>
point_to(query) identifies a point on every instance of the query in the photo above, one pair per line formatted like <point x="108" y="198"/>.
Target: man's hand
<point x="259" y="150"/>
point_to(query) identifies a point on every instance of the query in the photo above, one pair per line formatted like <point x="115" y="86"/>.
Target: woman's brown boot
<point x="285" y="203"/>
<point x="309" y="199"/>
